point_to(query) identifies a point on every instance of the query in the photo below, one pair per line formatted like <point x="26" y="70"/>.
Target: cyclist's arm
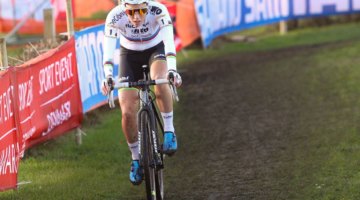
<point x="167" y="32"/>
<point x="110" y="39"/>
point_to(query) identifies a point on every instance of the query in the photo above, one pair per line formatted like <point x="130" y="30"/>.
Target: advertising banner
<point x="89" y="55"/>
<point x="9" y="148"/>
<point x="48" y="96"/>
<point x="218" y="17"/>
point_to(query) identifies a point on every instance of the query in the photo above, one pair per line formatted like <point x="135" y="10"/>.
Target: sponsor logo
<point x="155" y="10"/>
<point x="140" y="31"/>
<point x="117" y="17"/>
<point x="8" y="160"/>
<point x="56" y="73"/>
<point x="26" y="93"/>
<point x="128" y="25"/>
<point x="58" y="116"/>
<point x="29" y="133"/>
<point x="6" y="111"/>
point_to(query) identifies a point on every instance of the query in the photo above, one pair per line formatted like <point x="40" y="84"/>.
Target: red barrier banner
<point x="48" y="96"/>
<point x="9" y="148"/>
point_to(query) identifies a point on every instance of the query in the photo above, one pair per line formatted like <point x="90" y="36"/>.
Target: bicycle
<point x="151" y="155"/>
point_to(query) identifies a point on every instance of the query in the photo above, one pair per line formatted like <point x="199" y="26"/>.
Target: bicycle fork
<point x="157" y="160"/>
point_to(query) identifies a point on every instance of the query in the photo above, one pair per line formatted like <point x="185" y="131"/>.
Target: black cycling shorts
<point x="131" y="62"/>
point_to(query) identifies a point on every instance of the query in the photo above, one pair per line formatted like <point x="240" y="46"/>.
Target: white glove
<point x="108" y="82"/>
<point x="175" y="77"/>
<point x="108" y="70"/>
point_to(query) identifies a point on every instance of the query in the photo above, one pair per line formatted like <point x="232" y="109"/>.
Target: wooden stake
<point x="69" y="19"/>
<point x="3" y="55"/>
<point x="78" y="136"/>
<point x="49" y="25"/>
<point x="283" y="27"/>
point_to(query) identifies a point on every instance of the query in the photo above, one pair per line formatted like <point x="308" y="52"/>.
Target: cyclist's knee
<point x="128" y="115"/>
<point x="128" y="100"/>
<point x="161" y="90"/>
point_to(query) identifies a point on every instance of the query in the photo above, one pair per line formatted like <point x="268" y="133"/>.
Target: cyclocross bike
<point x="149" y="123"/>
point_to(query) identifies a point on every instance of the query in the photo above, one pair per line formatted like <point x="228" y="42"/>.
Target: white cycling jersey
<point x="157" y="27"/>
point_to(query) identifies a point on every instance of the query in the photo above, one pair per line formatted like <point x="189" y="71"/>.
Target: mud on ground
<point x="240" y="113"/>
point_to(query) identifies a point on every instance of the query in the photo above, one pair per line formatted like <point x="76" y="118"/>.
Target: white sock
<point x="134" y="148"/>
<point x="168" y="121"/>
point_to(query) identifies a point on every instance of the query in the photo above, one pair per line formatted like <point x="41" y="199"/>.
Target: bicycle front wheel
<point x="148" y="157"/>
<point x="159" y="174"/>
<point x="159" y="177"/>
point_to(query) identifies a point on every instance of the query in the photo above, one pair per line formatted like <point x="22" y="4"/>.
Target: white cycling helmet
<point x="134" y="1"/>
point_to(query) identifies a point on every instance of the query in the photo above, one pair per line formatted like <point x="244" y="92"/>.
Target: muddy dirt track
<point x="239" y="113"/>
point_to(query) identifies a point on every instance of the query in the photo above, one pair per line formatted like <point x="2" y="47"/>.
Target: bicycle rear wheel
<point x="148" y="157"/>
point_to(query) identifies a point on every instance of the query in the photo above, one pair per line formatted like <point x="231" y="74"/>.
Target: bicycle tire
<point x="159" y="181"/>
<point x="147" y="152"/>
<point x="159" y="174"/>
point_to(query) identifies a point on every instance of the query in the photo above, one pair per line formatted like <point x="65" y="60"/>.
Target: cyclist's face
<point x="136" y="13"/>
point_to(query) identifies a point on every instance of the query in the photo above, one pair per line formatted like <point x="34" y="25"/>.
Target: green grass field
<point x="326" y="162"/>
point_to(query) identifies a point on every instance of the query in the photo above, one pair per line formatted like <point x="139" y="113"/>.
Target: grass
<point x="60" y="169"/>
<point x="325" y="161"/>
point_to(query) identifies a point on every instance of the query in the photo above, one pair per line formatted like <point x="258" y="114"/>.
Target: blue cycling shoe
<point x="170" y="143"/>
<point x="136" y="173"/>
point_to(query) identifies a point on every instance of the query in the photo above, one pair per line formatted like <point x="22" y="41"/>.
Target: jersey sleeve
<point x="167" y="31"/>
<point x="110" y="36"/>
<point x="113" y="21"/>
<point x="163" y="17"/>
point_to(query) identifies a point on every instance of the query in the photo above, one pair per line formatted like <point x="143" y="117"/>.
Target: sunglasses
<point x="141" y="11"/>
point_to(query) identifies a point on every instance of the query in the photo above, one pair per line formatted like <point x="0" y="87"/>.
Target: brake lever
<point x="111" y="99"/>
<point x="110" y="83"/>
<point x="173" y="87"/>
<point x="111" y="93"/>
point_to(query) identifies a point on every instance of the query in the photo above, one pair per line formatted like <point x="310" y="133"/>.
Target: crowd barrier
<point x="219" y="17"/>
<point x="9" y="146"/>
<point x="39" y="100"/>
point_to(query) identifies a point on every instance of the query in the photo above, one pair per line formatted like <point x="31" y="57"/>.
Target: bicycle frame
<point x="151" y="156"/>
<point x="147" y="105"/>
